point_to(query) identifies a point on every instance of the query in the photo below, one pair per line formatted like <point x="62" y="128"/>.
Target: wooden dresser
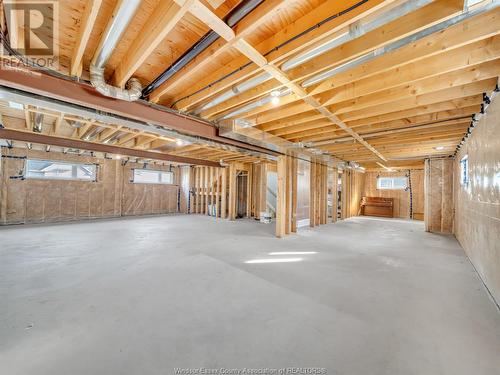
<point x="375" y="206"/>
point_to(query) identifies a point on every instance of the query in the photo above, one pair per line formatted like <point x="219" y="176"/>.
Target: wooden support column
<point x="335" y="194"/>
<point x="288" y="201"/>
<point x="293" y="192"/>
<point x="262" y="205"/>
<point x="249" y="190"/>
<point x="217" y="193"/>
<point x="196" y="187"/>
<point x="205" y="190"/>
<point x="223" y="208"/>
<point x="312" y="195"/>
<point x="281" y="197"/>
<point x="324" y="195"/>
<point x="191" y="189"/>
<point x="211" y="191"/>
<point x="232" y="191"/>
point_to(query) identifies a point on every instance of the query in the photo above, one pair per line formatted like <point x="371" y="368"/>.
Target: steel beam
<point x="22" y="136"/>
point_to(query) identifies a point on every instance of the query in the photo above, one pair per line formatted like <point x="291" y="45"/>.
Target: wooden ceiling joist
<point x="207" y="16"/>
<point x="86" y="25"/>
<point x="165" y="17"/>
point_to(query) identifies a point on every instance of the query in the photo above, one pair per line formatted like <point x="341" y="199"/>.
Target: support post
<point x="281" y="198"/>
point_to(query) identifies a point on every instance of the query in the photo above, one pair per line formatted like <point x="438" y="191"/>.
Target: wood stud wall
<point x="208" y="188"/>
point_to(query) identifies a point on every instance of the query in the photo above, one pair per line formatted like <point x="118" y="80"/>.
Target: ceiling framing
<point x="402" y="83"/>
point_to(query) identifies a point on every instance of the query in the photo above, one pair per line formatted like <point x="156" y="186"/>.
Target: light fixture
<point x="275" y="93"/>
<point x="179" y="142"/>
<point x="439" y="148"/>
<point x="275" y="101"/>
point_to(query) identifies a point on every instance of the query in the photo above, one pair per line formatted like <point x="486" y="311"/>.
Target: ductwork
<point x="231" y="19"/>
<point x="131" y="94"/>
<point x="116" y="28"/>
<point x="37" y="121"/>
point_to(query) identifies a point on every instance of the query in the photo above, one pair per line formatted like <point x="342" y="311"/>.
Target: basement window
<point x="147" y="176"/>
<point x="464" y="170"/>
<point x="392" y="183"/>
<point x="58" y="170"/>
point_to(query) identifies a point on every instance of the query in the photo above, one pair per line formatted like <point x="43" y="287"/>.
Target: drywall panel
<point x="402" y="200"/>
<point x="477" y="204"/>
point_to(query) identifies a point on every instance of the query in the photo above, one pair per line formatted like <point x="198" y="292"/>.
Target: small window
<point x="392" y="183"/>
<point x="464" y="170"/>
<point x="146" y="176"/>
<point x="58" y="170"/>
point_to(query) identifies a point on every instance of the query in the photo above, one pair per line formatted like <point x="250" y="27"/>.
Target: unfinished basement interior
<point x="250" y="187"/>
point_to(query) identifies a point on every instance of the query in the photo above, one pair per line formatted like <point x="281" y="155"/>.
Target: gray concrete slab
<point x="147" y="295"/>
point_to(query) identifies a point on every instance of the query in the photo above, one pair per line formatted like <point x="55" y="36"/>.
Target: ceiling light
<point x="275" y="93"/>
<point x="275" y="101"/>
<point x="179" y="142"/>
<point x="439" y="148"/>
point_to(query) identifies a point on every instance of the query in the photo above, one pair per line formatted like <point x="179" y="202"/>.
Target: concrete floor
<point x="147" y="295"/>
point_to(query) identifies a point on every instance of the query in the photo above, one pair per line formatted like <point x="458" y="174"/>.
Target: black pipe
<point x="235" y="16"/>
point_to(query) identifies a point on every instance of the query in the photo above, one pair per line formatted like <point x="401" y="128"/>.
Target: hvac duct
<point x="231" y="19"/>
<point x="37" y="121"/>
<point x="116" y="28"/>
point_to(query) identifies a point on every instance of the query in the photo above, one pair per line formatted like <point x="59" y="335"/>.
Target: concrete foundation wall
<point x="477" y="204"/>
<point x="113" y="195"/>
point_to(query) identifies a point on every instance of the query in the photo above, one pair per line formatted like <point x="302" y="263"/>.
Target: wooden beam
<point x="329" y="7"/>
<point x="165" y="16"/>
<point x="87" y="23"/>
<point x="207" y="16"/>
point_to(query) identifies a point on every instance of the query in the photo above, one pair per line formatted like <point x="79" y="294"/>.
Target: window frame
<point x="26" y="173"/>
<point x="392" y="187"/>
<point x="160" y="172"/>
